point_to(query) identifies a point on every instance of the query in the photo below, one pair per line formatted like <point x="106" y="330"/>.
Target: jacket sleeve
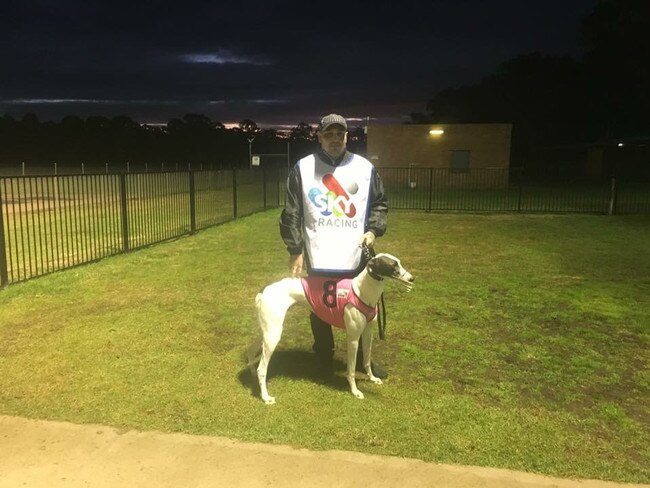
<point x="378" y="206"/>
<point x="291" y="222"/>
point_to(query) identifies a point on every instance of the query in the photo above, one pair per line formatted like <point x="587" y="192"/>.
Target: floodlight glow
<point x="436" y="132"/>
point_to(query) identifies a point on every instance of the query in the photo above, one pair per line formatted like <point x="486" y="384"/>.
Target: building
<point x="465" y="154"/>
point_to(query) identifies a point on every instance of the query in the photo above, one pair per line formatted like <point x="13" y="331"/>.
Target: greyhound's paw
<point x="358" y="394"/>
<point x="269" y="400"/>
<point x="376" y="380"/>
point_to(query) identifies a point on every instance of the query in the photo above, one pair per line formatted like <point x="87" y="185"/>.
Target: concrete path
<point x="36" y="454"/>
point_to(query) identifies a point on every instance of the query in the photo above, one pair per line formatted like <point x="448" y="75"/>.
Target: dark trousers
<point x="324" y="341"/>
<point x="322" y="331"/>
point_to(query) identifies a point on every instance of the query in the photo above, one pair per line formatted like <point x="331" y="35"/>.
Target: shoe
<point x="377" y="370"/>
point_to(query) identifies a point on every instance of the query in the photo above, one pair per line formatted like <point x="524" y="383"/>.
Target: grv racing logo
<point x="336" y="201"/>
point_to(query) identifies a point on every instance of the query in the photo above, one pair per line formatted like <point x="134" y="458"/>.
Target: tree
<point x="248" y="127"/>
<point x="617" y="59"/>
<point x="542" y="96"/>
<point x="198" y="122"/>
<point x="302" y="131"/>
<point x="30" y="122"/>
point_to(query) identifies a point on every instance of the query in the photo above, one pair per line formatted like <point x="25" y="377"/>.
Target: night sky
<point x="275" y="62"/>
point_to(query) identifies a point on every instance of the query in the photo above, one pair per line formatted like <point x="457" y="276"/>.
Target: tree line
<point x="192" y="140"/>
<point x="550" y="101"/>
<point x="553" y="101"/>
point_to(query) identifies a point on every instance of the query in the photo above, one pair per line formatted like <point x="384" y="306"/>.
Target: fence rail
<point x="49" y="223"/>
<point x="514" y="190"/>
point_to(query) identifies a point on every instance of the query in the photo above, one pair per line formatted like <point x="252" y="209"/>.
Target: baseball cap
<point x="332" y="119"/>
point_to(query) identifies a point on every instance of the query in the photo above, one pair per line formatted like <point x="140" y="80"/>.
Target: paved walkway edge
<point x="37" y="453"/>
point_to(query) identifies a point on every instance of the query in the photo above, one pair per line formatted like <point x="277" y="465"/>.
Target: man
<point x="335" y="203"/>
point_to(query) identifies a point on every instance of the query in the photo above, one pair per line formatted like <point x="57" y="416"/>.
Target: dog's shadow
<point x="297" y="364"/>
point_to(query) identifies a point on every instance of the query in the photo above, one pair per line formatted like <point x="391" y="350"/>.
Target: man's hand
<point x="295" y="264"/>
<point x="368" y="239"/>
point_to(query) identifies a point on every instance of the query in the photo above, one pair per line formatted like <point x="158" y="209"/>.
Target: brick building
<point x="465" y="153"/>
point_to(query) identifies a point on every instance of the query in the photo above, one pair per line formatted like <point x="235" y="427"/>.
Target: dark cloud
<point x="273" y="62"/>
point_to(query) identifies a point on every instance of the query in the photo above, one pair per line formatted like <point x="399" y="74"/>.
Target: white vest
<point x="335" y="206"/>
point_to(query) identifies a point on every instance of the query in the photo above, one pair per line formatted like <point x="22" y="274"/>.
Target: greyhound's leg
<point x="367" y="351"/>
<point x="354" y="322"/>
<point x="270" y="341"/>
<point x="272" y="308"/>
<point x="254" y="353"/>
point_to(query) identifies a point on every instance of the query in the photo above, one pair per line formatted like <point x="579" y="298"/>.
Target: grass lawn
<point x="523" y="345"/>
<point x="59" y="222"/>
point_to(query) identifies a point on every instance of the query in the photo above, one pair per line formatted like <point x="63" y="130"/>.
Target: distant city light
<point x="620" y="144"/>
<point x="436" y="132"/>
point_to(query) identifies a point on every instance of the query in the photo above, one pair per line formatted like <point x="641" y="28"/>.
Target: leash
<point x="368" y="253"/>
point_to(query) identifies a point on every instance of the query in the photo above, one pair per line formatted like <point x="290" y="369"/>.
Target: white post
<point x="83" y="170"/>
<point x="23" y="168"/>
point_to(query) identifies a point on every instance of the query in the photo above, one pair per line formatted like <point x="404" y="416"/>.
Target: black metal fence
<point x="514" y="190"/>
<point x="49" y="223"/>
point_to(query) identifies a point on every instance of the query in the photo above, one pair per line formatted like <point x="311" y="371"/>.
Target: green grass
<point x="569" y="198"/>
<point x="58" y="222"/>
<point x="523" y="345"/>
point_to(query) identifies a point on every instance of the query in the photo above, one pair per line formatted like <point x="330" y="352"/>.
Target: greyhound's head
<point x="387" y="266"/>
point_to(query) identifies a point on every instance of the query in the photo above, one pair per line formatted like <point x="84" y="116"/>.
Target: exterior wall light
<point x="436" y="132"/>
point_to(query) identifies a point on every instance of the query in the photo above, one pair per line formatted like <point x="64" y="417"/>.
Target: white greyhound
<point x="356" y="301"/>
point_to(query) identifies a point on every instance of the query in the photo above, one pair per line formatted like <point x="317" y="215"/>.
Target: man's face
<point x="333" y="140"/>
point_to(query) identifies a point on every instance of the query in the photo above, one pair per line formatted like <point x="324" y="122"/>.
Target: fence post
<point x="280" y="200"/>
<point x="430" y="189"/>
<point x="192" y="203"/>
<point x="521" y="187"/>
<point x="234" y="192"/>
<point x="4" y="276"/>
<point x="264" y="186"/>
<point x="612" y="197"/>
<point x="124" y="212"/>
